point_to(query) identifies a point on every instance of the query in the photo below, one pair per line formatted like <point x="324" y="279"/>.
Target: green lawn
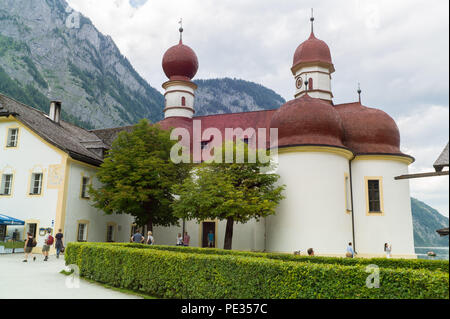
<point x="10" y="244"/>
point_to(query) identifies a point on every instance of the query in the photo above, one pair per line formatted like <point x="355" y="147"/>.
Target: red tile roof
<point x="306" y="121"/>
<point x="180" y="61"/>
<point x="369" y="130"/>
<point x="312" y="50"/>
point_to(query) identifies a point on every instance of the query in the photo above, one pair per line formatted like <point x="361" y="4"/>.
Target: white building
<point x="46" y="165"/>
<point x="338" y="163"/>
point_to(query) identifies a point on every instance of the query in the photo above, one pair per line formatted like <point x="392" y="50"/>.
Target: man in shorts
<point x="48" y="241"/>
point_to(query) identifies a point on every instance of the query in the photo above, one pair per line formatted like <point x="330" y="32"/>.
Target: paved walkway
<point x="41" y="279"/>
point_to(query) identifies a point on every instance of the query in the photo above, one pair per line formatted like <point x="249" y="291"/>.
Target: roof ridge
<point x="208" y="115"/>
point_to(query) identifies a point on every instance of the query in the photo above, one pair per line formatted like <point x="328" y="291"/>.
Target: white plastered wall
<point x="30" y="155"/>
<point x="313" y="214"/>
<point x="395" y="225"/>
<point x="249" y="236"/>
<point x="78" y="208"/>
<point x="321" y="81"/>
<point x="173" y="98"/>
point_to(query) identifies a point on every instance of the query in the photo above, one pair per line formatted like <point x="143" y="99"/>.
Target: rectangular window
<point x="373" y="187"/>
<point x="36" y="184"/>
<point x="13" y="134"/>
<point x="82" y="232"/>
<point x="6" y="184"/>
<point x="84" y="187"/>
<point x="110" y="233"/>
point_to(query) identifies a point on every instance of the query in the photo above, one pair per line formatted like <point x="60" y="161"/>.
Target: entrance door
<point x="207" y="227"/>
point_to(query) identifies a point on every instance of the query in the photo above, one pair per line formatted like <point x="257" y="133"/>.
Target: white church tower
<point x="312" y="68"/>
<point x="180" y="64"/>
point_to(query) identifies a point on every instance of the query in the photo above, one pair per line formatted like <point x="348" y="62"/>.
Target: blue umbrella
<point x="6" y="220"/>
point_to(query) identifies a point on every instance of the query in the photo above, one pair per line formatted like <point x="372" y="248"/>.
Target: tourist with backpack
<point x="48" y="242"/>
<point x="30" y="242"/>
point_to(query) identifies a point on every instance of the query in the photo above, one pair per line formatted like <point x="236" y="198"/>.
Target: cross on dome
<point x="181" y="29"/>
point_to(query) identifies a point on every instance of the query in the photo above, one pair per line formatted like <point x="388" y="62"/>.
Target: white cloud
<point x="398" y="50"/>
<point x="424" y="133"/>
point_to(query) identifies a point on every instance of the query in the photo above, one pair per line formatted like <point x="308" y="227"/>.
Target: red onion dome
<point x="368" y="130"/>
<point x="312" y="50"/>
<point x="308" y="121"/>
<point x="180" y="62"/>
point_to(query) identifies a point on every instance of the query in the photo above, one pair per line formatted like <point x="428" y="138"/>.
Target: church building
<point x="338" y="163"/>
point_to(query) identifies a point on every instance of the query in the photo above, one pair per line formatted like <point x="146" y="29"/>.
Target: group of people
<point x="183" y="240"/>
<point x="30" y="242"/>
<point x="138" y="238"/>
<point x="49" y="240"/>
<point x="350" y="253"/>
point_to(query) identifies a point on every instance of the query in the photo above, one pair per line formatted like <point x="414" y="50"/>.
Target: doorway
<point x="206" y="228"/>
<point x="2" y="232"/>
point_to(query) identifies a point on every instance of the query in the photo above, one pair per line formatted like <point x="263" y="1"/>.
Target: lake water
<point x="441" y="252"/>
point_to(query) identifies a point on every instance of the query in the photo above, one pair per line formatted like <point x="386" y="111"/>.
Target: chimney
<point x="55" y="111"/>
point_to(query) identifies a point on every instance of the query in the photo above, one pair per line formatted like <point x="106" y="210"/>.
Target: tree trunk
<point x="150" y="225"/>
<point x="228" y="234"/>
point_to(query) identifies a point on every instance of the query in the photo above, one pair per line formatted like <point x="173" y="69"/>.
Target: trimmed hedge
<point x="433" y="265"/>
<point x="173" y="275"/>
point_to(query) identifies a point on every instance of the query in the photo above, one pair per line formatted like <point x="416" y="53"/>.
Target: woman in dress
<point x="150" y="239"/>
<point x="387" y="249"/>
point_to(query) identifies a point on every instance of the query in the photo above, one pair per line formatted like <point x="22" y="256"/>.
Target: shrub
<point x="169" y="274"/>
<point x="432" y="265"/>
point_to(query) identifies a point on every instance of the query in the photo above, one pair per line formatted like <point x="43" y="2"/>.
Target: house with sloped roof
<point x="46" y="165"/>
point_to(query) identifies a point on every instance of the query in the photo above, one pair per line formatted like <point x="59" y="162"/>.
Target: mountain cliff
<point x="217" y="96"/>
<point x="426" y="220"/>
<point x="48" y="51"/>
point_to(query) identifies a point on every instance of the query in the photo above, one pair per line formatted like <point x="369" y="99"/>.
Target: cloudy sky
<point x="398" y="51"/>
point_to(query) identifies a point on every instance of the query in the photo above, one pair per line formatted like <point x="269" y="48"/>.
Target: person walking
<point x="387" y="250"/>
<point x="310" y="252"/>
<point x="30" y="242"/>
<point x="137" y="237"/>
<point x="150" y="239"/>
<point x="48" y="242"/>
<point x="179" y="240"/>
<point x="186" y="239"/>
<point x="59" y="245"/>
<point x="350" y="252"/>
<point x="211" y="239"/>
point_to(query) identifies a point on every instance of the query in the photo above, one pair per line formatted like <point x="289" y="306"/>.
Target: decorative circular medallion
<point x="299" y="82"/>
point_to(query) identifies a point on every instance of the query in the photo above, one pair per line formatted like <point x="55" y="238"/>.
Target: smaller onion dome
<point x="369" y="130"/>
<point x="180" y="62"/>
<point x="312" y="50"/>
<point x="308" y="121"/>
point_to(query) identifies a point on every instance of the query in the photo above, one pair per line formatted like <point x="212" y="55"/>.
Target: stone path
<point x="41" y="279"/>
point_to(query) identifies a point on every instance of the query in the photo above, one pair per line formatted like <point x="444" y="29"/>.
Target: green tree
<point x="137" y="176"/>
<point x="235" y="192"/>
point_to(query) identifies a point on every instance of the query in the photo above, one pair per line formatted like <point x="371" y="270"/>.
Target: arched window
<point x="310" y="84"/>
<point x="183" y="101"/>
